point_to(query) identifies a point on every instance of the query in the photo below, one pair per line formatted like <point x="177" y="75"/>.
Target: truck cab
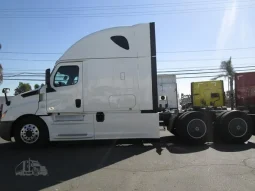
<point x="103" y="87"/>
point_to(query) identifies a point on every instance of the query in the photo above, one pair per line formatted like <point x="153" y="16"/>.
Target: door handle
<point x="100" y="116"/>
<point x="78" y="103"/>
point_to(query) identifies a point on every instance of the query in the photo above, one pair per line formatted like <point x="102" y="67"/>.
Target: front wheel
<point x="31" y="131"/>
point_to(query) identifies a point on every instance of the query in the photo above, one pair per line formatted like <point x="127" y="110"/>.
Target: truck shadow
<point x="233" y="147"/>
<point x="174" y="145"/>
<point x="65" y="161"/>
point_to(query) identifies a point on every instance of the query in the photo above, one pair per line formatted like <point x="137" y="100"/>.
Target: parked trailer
<point x="167" y="92"/>
<point x="105" y="87"/>
<point x="245" y="93"/>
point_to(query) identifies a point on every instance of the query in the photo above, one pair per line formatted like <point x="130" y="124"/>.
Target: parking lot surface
<point x="169" y="165"/>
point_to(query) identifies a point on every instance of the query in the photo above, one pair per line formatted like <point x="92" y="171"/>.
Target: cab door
<point x="65" y="104"/>
<point x="66" y="80"/>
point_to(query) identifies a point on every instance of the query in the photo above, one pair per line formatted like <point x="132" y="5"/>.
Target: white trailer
<point x="167" y="92"/>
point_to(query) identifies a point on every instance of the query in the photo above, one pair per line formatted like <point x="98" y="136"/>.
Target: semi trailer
<point x="167" y="92"/>
<point x="245" y="93"/>
<point x="105" y="87"/>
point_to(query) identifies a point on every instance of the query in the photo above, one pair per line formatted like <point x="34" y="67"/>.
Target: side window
<point x="66" y="76"/>
<point x="120" y="41"/>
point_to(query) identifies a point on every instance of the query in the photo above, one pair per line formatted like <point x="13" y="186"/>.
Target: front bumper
<point x="5" y="130"/>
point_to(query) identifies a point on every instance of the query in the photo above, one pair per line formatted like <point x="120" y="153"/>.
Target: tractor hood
<point x="25" y="103"/>
<point x="26" y="97"/>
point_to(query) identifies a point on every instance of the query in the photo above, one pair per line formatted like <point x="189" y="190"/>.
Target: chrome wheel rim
<point x="29" y="133"/>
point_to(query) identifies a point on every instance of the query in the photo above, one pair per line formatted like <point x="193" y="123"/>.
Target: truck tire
<point x="184" y="114"/>
<point x="173" y="122"/>
<point x="221" y="114"/>
<point x="177" y="123"/>
<point x="31" y="131"/>
<point x="218" y="118"/>
<point x="216" y="127"/>
<point x="235" y="127"/>
<point x="192" y="127"/>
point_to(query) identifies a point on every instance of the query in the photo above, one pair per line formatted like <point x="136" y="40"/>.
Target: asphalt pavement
<point x="126" y="166"/>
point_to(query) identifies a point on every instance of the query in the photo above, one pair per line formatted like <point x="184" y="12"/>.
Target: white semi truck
<point x="105" y="87"/>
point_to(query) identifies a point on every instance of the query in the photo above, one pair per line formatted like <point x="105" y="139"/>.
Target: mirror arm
<point x="47" y="82"/>
<point x="5" y="91"/>
<point x="6" y="100"/>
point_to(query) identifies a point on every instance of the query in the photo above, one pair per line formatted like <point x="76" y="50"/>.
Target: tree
<point x="23" y="87"/>
<point x="228" y="72"/>
<point x="36" y="86"/>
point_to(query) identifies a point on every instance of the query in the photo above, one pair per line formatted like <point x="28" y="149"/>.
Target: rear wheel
<point x="173" y="130"/>
<point x="177" y="123"/>
<point x="235" y="127"/>
<point x="31" y="131"/>
<point x="192" y="127"/>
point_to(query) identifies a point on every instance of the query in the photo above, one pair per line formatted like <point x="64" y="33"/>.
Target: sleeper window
<point x="120" y="41"/>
